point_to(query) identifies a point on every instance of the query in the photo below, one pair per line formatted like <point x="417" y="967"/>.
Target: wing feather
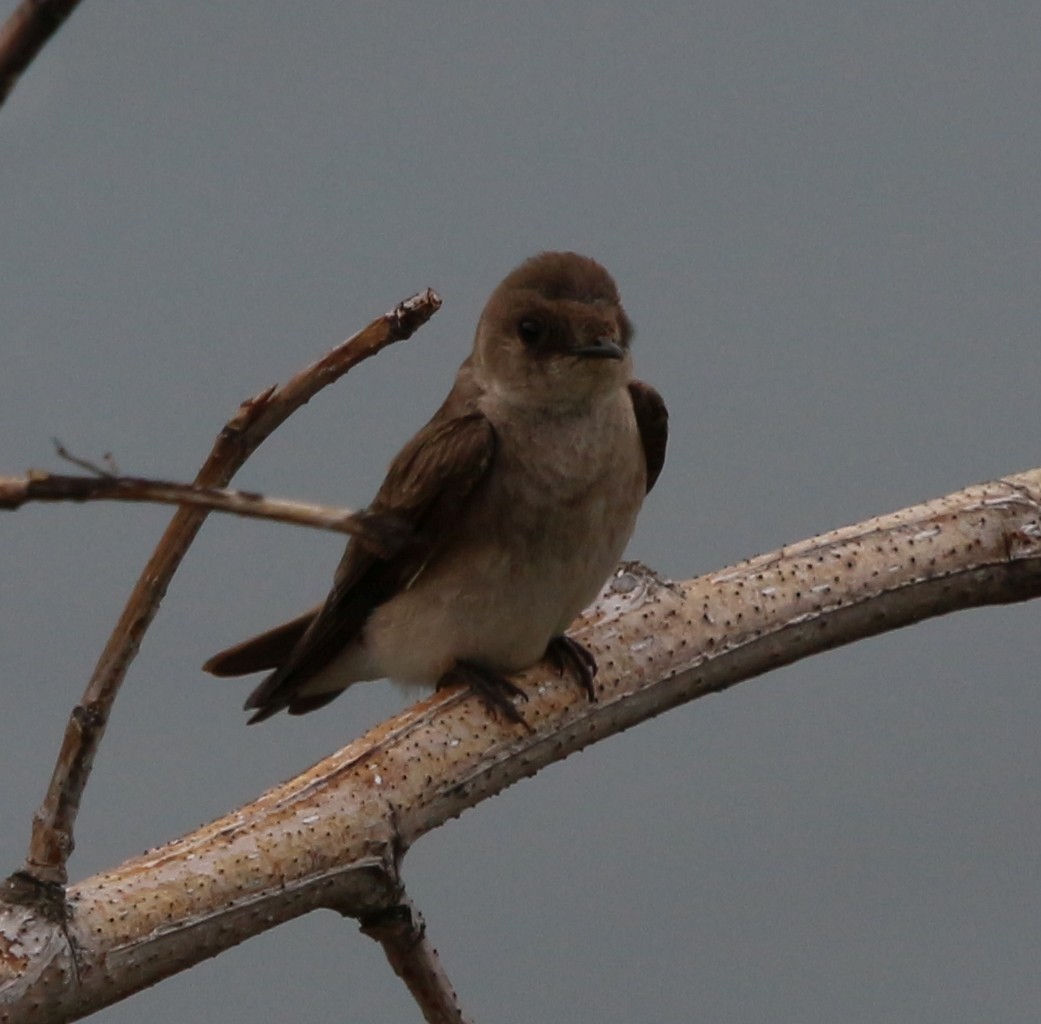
<point x="425" y="490"/>
<point x="652" y="418"/>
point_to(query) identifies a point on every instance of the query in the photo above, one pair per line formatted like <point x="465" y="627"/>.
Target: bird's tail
<point x="260" y="653"/>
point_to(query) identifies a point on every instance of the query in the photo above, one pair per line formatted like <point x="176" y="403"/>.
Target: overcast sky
<point x="825" y="221"/>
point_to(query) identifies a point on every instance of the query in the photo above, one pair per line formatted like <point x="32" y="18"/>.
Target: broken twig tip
<point x="91" y="467"/>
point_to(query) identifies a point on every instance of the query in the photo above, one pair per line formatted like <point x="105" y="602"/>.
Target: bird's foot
<point x="494" y="689"/>
<point x="565" y="653"/>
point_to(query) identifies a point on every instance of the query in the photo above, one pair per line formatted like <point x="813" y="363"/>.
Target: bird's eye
<point x="529" y="330"/>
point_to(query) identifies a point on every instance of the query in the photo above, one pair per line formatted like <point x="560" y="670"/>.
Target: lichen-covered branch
<point x="332" y="837"/>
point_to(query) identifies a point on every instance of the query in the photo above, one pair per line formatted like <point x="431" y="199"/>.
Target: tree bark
<point x="335" y="835"/>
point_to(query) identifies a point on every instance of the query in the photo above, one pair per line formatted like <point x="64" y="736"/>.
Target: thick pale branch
<point x="332" y="836"/>
<point x="53" y="824"/>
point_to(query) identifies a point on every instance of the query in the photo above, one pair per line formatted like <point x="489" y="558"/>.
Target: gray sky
<point x="825" y="220"/>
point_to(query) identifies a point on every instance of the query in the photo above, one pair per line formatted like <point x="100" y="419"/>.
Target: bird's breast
<point x="532" y="548"/>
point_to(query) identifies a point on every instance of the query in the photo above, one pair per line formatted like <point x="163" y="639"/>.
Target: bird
<point x="499" y="522"/>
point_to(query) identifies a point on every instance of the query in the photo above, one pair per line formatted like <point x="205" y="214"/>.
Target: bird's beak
<point x="601" y="348"/>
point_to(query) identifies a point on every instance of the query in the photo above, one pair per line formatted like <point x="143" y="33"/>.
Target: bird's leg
<point x="494" y="689"/>
<point x="565" y="653"/>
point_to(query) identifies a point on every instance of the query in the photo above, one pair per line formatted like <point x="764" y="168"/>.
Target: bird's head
<point x="554" y="333"/>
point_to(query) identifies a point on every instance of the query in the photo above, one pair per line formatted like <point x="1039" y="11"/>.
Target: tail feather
<point x="262" y="652"/>
<point x="295" y="705"/>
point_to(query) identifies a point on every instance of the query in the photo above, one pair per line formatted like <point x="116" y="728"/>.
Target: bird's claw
<point x="565" y="653"/>
<point x="495" y="690"/>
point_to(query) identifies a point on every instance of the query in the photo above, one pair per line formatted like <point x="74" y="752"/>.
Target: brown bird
<point x="499" y="521"/>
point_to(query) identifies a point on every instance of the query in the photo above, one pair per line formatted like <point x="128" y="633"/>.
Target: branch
<point x="52" y="836"/>
<point x="402" y="933"/>
<point x="24" y="34"/>
<point x="41" y="486"/>
<point x="333" y="836"/>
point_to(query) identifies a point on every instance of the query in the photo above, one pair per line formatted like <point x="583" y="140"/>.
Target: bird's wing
<point x="652" y="418"/>
<point x="421" y="498"/>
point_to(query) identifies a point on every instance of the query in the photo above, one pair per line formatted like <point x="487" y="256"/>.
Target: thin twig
<point x="93" y="468"/>
<point x="25" y="33"/>
<point x="50" y="487"/>
<point x="53" y="824"/>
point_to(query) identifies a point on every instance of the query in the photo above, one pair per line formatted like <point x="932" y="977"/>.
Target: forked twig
<point x="108" y="470"/>
<point x="53" y="824"/>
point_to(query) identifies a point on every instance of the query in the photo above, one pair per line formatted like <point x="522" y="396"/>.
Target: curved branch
<point x="332" y="837"/>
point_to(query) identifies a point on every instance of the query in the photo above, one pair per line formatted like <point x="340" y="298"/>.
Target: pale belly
<point x="496" y="607"/>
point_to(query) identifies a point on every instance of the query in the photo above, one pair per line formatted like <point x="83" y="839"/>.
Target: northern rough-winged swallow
<point x="504" y="515"/>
